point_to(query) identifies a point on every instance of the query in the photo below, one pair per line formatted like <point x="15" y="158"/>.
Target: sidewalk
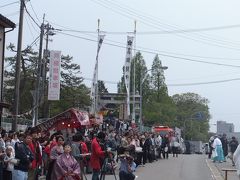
<point x="226" y="165"/>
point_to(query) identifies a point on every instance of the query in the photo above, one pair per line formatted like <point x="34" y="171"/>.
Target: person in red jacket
<point x="34" y="146"/>
<point x="97" y="154"/>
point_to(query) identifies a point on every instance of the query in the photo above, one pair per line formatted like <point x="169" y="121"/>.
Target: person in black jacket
<point x="233" y="144"/>
<point x="147" y="147"/>
<point x="25" y="157"/>
<point x="165" y="146"/>
<point x="224" y="146"/>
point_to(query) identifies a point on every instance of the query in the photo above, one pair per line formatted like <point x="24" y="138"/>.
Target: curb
<point x="216" y="174"/>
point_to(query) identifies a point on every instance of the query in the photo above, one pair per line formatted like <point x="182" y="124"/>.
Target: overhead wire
<point x="30" y="15"/>
<point x="205" y="83"/>
<point x="183" y="84"/>
<point x="176" y="28"/>
<point x="155" y="25"/>
<point x="29" y="28"/>
<point x="155" y="52"/>
<point x="35" y="41"/>
<point x="34" y="27"/>
<point x="180" y="84"/>
<point x="67" y="29"/>
<point x="161" y="32"/>
<point x="34" y="12"/>
<point x="5" y="5"/>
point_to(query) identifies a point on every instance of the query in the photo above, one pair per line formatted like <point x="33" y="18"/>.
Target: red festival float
<point x="71" y="118"/>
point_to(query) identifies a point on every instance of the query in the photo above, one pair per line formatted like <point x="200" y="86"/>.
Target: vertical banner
<point x="1" y="63"/>
<point x="94" y="88"/>
<point x="54" y="75"/>
<point x="127" y="68"/>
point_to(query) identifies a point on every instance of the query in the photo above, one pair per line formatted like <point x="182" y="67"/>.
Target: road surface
<point x="185" y="167"/>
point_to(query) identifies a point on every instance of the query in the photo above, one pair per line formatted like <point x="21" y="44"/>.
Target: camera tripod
<point x="104" y="168"/>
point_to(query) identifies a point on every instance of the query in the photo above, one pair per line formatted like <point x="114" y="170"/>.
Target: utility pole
<point x="18" y="67"/>
<point x="38" y="83"/>
<point x="44" y="73"/>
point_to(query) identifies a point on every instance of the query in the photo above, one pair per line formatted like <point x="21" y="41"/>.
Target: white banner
<point x="1" y="62"/>
<point x="94" y="90"/>
<point x="54" y="75"/>
<point x="127" y="69"/>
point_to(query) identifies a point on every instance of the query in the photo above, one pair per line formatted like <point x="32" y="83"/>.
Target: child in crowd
<point x="9" y="163"/>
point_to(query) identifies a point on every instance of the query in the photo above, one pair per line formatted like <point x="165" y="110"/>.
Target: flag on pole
<point x="94" y="88"/>
<point x="127" y="68"/>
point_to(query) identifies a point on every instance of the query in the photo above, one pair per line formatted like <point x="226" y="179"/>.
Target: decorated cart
<point x="69" y="119"/>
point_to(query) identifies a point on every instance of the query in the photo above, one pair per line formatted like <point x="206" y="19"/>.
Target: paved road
<point x="185" y="167"/>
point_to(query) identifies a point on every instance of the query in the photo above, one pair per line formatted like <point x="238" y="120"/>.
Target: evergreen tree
<point x="158" y="78"/>
<point x="73" y="92"/>
<point x="158" y="109"/>
<point x="27" y="78"/>
<point x="101" y="87"/>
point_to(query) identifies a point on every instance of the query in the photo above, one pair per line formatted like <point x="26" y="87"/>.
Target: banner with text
<point x="127" y="69"/>
<point x="54" y="75"/>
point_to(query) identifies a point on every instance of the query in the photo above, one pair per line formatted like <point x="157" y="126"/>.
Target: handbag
<point x="166" y="149"/>
<point x="176" y="144"/>
<point x="214" y="153"/>
<point x="138" y="149"/>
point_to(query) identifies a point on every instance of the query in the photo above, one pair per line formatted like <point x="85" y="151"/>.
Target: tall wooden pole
<point x="18" y="68"/>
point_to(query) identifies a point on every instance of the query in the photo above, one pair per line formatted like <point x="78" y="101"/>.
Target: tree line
<point x="188" y="111"/>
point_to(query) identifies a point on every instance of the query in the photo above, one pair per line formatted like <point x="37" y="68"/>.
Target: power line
<point x="34" y="27"/>
<point x="29" y="28"/>
<point x="204" y="83"/>
<point x="180" y="84"/>
<point x="89" y="33"/>
<point x="161" y="32"/>
<point x="5" y="5"/>
<point x="34" y="42"/>
<point x="140" y="14"/>
<point x="154" y="23"/>
<point x="155" y="52"/>
<point x="34" y="12"/>
<point x="31" y="16"/>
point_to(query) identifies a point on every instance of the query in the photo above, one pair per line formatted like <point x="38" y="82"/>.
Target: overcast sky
<point x="210" y="34"/>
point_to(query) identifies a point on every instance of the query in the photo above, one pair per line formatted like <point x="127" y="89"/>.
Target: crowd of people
<point x="221" y="148"/>
<point x="57" y="155"/>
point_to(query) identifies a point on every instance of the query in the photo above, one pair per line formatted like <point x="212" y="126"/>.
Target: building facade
<point x="224" y="127"/>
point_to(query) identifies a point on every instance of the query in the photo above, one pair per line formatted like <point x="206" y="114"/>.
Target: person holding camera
<point x="97" y="154"/>
<point x="125" y="170"/>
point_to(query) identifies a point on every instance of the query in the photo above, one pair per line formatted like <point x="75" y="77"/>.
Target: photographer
<point x="125" y="170"/>
<point x="97" y="154"/>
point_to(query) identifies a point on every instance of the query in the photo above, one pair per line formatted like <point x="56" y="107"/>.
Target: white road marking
<point x="215" y="173"/>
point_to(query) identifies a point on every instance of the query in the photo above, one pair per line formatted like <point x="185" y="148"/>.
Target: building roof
<point x="6" y="23"/>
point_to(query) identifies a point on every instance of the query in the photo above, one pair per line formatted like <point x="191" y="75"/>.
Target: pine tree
<point x="73" y="92"/>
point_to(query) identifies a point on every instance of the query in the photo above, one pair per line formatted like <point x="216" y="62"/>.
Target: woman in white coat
<point x="236" y="159"/>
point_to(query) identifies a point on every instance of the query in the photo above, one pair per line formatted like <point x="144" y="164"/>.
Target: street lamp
<point x="141" y="84"/>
